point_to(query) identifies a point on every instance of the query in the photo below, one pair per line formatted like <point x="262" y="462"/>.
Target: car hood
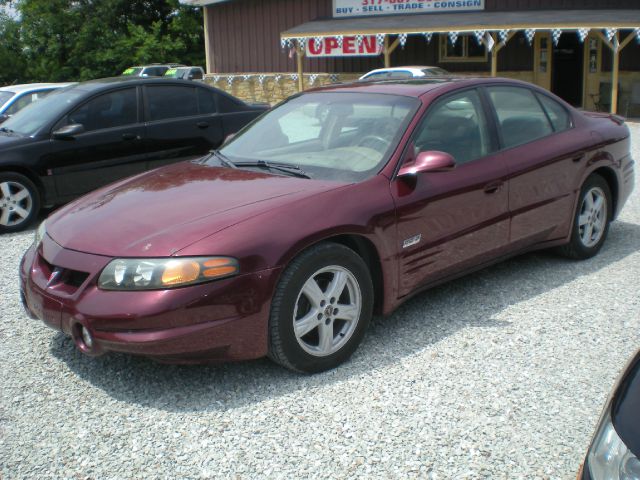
<point x="163" y="211"/>
<point x="8" y="140"/>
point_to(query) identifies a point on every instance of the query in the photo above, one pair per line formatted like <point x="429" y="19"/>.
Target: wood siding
<point x="245" y="37"/>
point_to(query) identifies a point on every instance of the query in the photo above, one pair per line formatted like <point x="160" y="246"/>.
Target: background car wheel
<point x="321" y="309"/>
<point x="19" y="202"/>
<point x="592" y="219"/>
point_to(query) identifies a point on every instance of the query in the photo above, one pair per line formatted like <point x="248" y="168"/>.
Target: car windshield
<point x="33" y="117"/>
<point x="330" y="135"/>
<point x="5" y="97"/>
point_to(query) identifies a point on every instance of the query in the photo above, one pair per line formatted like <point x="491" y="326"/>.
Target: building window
<point x="466" y="49"/>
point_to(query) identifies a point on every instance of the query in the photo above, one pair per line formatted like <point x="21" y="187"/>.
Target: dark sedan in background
<point x="614" y="453"/>
<point x="85" y="136"/>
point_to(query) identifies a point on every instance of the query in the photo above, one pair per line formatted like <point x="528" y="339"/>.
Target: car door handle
<point x="202" y="124"/>
<point x="130" y="136"/>
<point x="493" y="187"/>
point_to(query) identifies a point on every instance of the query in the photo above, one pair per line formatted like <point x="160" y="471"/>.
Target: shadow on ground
<point x="428" y="318"/>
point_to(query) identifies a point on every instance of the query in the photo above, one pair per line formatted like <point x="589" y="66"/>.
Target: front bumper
<point x="221" y="320"/>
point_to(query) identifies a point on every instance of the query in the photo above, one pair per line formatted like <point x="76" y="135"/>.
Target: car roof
<point x="108" y="83"/>
<point x="401" y="69"/>
<point x="25" y="87"/>
<point x="416" y="87"/>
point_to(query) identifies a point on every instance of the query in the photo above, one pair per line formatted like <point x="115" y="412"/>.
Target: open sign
<point x="331" y="47"/>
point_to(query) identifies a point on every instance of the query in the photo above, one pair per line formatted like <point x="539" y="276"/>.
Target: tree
<point x="12" y="61"/>
<point x="64" y="40"/>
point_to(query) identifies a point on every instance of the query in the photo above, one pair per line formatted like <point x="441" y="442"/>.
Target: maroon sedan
<point x="339" y="203"/>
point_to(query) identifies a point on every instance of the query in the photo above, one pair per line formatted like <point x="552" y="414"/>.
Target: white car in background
<point x="398" y="73"/>
<point x="14" y="98"/>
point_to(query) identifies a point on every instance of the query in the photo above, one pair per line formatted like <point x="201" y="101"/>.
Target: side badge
<point x="410" y="242"/>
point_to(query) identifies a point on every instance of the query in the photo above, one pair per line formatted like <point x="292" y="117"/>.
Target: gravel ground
<point x="501" y="374"/>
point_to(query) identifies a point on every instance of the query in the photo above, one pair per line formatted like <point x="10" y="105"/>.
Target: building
<point x="586" y="51"/>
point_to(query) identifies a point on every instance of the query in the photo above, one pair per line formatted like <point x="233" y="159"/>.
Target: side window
<point x="109" y="110"/>
<point x="206" y="101"/>
<point x="520" y="115"/>
<point x="227" y="105"/>
<point x="196" y="74"/>
<point x="558" y="115"/>
<point x="171" y="102"/>
<point x="455" y="125"/>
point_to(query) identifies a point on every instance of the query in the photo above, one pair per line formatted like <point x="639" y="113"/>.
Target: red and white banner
<point x="347" y="47"/>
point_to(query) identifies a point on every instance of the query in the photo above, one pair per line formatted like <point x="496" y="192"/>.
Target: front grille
<point x="60" y="278"/>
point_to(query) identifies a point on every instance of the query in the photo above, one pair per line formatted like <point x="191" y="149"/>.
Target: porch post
<point x="494" y="57"/>
<point x="388" y="50"/>
<point x="210" y="65"/>
<point x="299" y="58"/>
<point x="615" y="74"/>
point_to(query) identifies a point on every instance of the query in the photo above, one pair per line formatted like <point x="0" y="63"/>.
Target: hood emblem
<point x="55" y="276"/>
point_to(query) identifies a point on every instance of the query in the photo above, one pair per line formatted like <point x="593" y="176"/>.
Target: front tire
<point x="591" y="221"/>
<point x="19" y="202"/>
<point x="321" y="309"/>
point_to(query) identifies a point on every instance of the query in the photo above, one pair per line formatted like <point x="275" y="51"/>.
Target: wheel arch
<point x="366" y="250"/>
<point x="611" y="178"/>
<point x="30" y="174"/>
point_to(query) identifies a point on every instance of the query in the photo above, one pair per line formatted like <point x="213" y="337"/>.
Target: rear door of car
<point x="112" y="146"/>
<point x="544" y="155"/>
<point x="455" y="219"/>
<point x="182" y="123"/>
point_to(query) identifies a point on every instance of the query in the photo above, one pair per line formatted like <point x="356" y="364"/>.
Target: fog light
<point x="86" y="337"/>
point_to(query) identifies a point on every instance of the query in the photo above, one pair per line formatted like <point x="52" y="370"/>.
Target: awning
<point x="468" y="22"/>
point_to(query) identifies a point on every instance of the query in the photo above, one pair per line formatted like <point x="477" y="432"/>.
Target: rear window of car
<point x="227" y="105"/>
<point x="171" y="101"/>
<point x="520" y="115"/>
<point x="560" y="118"/>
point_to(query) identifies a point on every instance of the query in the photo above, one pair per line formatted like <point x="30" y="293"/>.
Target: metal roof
<point x="469" y="21"/>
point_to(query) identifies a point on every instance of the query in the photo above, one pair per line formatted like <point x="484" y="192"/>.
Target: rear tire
<point x="19" y="202"/>
<point x="321" y="309"/>
<point x="591" y="221"/>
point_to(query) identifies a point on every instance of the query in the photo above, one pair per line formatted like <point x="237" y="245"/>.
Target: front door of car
<point x="544" y="156"/>
<point x="110" y="148"/>
<point x="182" y="123"/>
<point x="450" y="220"/>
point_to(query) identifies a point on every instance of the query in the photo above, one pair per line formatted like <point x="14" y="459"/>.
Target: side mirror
<point x="68" y="132"/>
<point x="433" y="161"/>
<point x="4" y="117"/>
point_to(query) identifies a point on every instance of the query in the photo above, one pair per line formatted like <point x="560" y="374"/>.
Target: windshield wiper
<point x="224" y="159"/>
<point x="6" y="130"/>
<point x="286" y="168"/>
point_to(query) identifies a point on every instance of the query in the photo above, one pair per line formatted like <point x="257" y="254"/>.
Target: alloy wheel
<point x="16" y="203"/>
<point x="327" y="311"/>
<point x="593" y="217"/>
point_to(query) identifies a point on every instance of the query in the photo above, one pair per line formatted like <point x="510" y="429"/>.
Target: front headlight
<point x="40" y="233"/>
<point x="609" y="458"/>
<point x="161" y="273"/>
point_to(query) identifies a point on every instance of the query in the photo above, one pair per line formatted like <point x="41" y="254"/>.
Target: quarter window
<point x="520" y="116"/>
<point x="455" y="125"/>
<point x="171" y="102"/>
<point x="109" y="110"/>
<point x="558" y="115"/>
